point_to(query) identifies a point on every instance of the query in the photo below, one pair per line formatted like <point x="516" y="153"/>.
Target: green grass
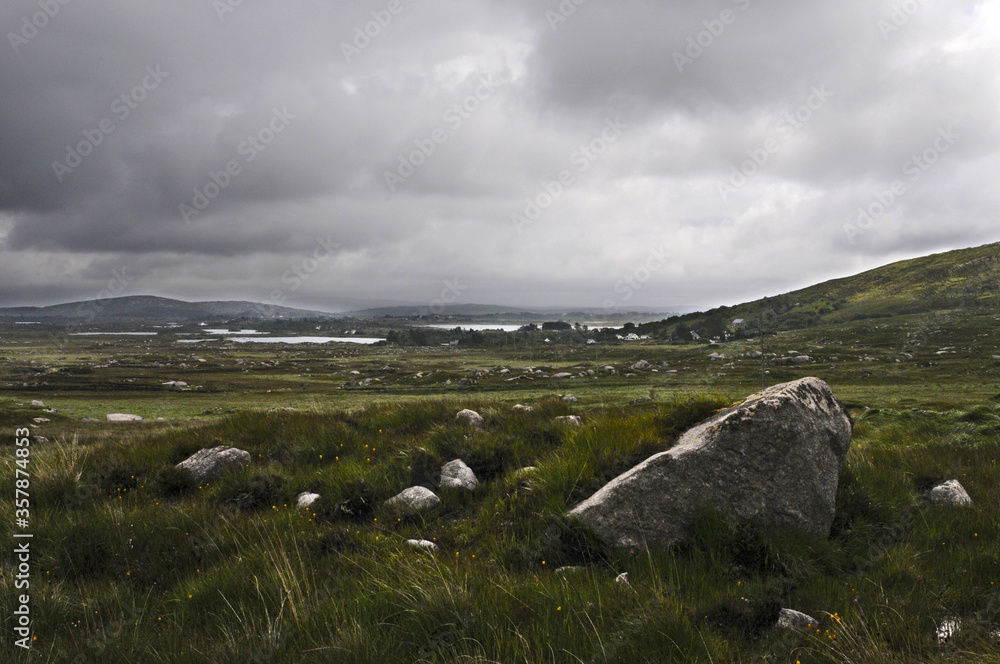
<point x="132" y="563"/>
<point x="131" y="568"/>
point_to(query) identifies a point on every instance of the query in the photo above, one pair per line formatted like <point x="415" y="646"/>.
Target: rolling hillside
<point x="152" y="309"/>
<point x="966" y="279"/>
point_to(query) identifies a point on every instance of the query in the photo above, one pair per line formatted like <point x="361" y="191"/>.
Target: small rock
<point x="422" y="545"/>
<point x="38" y="404"/>
<point x="415" y="499"/>
<point x="795" y="620"/>
<point x="641" y="365"/>
<point x="570" y="399"/>
<point x="569" y="419"/>
<point x="305" y="499"/>
<point x="470" y="418"/>
<point x="456" y="475"/>
<point x="40" y="420"/>
<point x="950" y="493"/>
<point x="562" y="375"/>
<point x="207" y="464"/>
<point x="622" y="578"/>
<point x="947" y="629"/>
<point x="801" y="359"/>
<point x="123" y="417"/>
<point x="569" y="569"/>
<point x="518" y="408"/>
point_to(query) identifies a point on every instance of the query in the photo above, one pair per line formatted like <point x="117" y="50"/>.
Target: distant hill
<point x="966" y="279"/>
<point x="152" y="309"/>
<point x="472" y="310"/>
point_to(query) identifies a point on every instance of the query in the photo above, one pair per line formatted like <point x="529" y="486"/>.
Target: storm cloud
<point x="535" y="152"/>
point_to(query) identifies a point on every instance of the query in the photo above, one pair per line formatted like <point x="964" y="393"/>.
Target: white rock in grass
<point x="951" y="493"/>
<point x="456" y="475"/>
<point x="520" y="408"/>
<point x="38" y="404"/>
<point x="796" y="620"/>
<point x="123" y="417"/>
<point x="207" y="464"/>
<point x="570" y="569"/>
<point x="570" y="419"/>
<point x="415" y="499"/>
<point x="470" y="418"/>
<point x="622" y="578"/>
<point x="947" y="629"/>
<point x="305" y="499"/>
<point x="570" y="399"/>
<point x="422" y="545"/>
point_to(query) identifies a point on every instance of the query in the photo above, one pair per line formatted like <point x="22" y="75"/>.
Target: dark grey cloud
<point x="283" y="127"/>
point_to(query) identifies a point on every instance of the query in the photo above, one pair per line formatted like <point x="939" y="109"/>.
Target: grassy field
<point x="132" y="563"/>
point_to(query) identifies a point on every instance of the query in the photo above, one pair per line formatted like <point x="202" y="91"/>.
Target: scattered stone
<point x="422" y="545"/>
<point x="639" y="400"/>
<point x="305" y="499"/>
<point x="608" y="368"/>
<point x="470" y="418"/>
<point x="123" y="417"/>
<point x="796" y="620"/>
<point x="569" y="569"/>
<point x="950" y="493"/>
<point x="41" y="439"/>
<point x="38" y="404"/>
<point x="456" y="475"/>
<point x="622" y="578"/>
<point x="88" y="419"/>
<point x="40" y="420"/>
<point x="801" y="359"/>
<point x="519" y="408"/>
<point x="207" y="464"/>
<point x="774" y="459"/>
<point x="561" y="375"/>
<point x="756" y="354"/>
<point x="947" y="629"/>
<point x="569" y="419"/>
<point x="570" y="399"/>
<point x="641" y="365"/>
<point x="415" y="499"/>
<point x="718" y="356"/>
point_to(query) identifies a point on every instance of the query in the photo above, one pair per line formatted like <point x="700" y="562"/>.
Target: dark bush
<point x="261" y="491"/>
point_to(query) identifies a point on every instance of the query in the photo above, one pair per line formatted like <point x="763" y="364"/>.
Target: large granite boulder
<point x="774" y="459"/>
<point x="205" y="465"/>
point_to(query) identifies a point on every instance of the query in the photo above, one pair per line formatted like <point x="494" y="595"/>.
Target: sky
<point x="332" y="155"/>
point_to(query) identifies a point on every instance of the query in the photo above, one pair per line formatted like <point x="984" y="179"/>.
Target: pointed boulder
<point x="774" y="459"/>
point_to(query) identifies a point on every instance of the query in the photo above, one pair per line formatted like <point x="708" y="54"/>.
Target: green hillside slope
<point x="966" y="279"/>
